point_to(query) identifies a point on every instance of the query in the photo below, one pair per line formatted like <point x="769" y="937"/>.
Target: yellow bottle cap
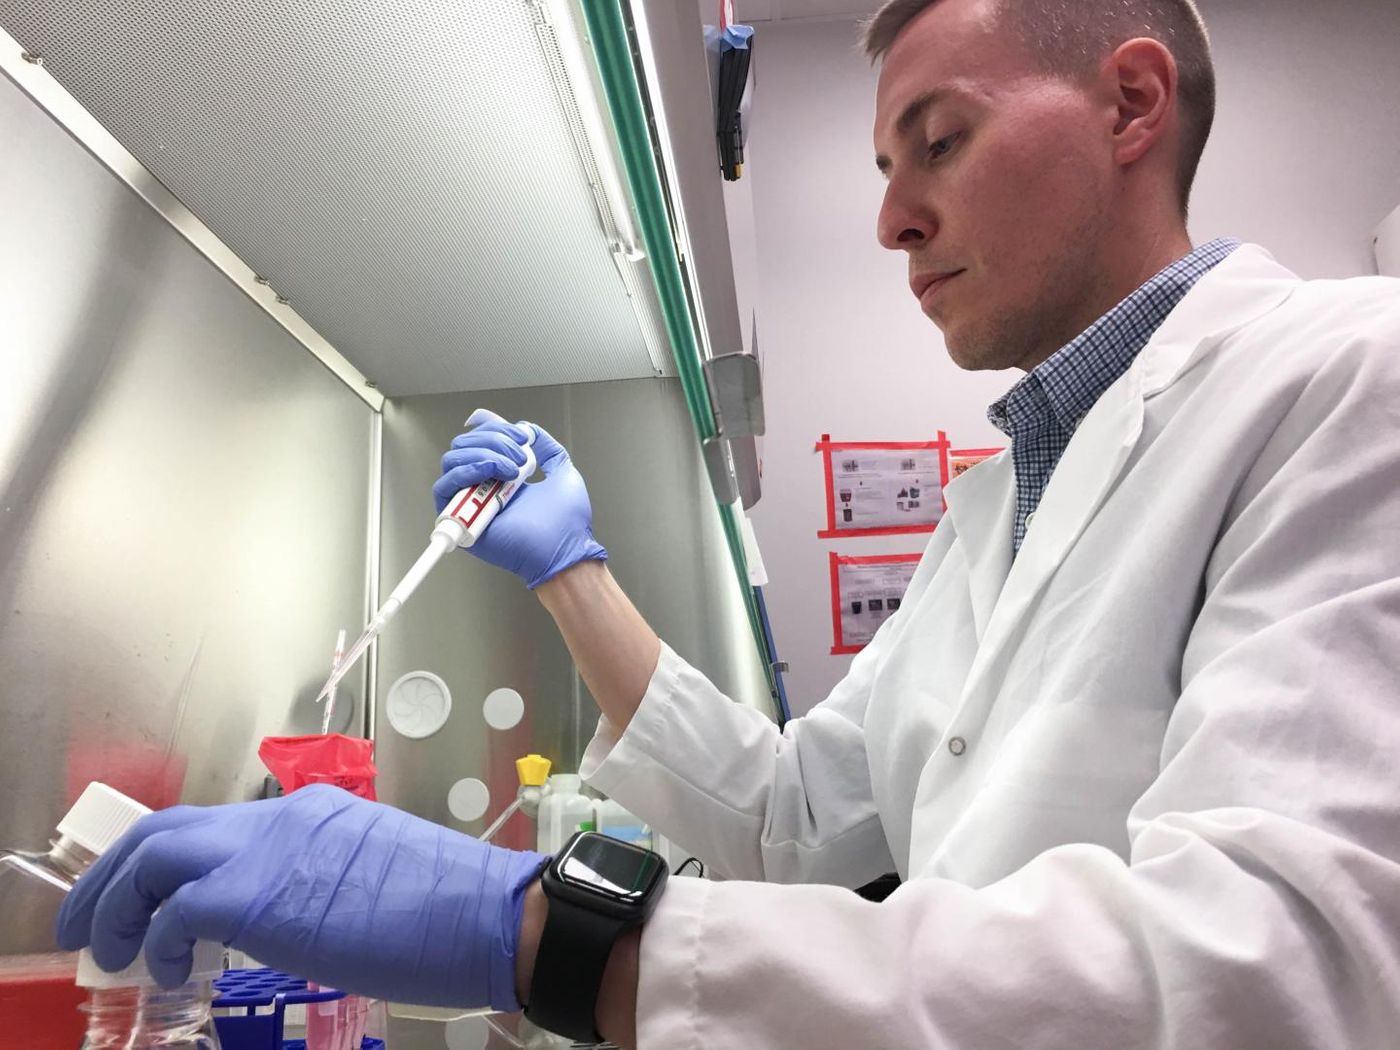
<point x="533" y="770"/>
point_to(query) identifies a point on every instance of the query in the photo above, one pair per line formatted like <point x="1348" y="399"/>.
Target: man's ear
<point x="1141" y="78"/>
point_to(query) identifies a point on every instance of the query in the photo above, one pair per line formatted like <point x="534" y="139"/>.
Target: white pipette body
<point x="460" y="524"/>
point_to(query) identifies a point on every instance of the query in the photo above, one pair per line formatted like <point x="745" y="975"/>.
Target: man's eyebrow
<point x="913" y="113"/>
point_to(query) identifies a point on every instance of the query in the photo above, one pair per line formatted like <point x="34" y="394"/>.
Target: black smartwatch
<point x="598" y="888"/>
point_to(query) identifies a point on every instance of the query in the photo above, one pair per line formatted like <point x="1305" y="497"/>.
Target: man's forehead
<point x="951" y="50"/>
<point x="953" y="24"/>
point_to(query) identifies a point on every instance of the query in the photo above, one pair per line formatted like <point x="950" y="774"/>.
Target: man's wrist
<point x="616" y="1011"/>
<point x="573" y="583"/>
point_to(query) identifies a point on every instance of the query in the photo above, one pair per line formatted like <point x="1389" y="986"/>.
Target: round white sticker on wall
<point x="468" y="799"/>
<point x="503" y="709"/>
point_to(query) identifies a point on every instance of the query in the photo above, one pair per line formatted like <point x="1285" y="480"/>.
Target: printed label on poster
<point x="877" y="490"/>
<point x="883" y="488"/>
<point x="865" y="593"/>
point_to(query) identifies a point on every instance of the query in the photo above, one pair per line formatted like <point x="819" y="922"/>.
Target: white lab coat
<point x="1175" y="818"/>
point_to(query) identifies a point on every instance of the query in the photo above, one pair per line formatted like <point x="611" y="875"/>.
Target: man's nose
<point x="903" y="224"/>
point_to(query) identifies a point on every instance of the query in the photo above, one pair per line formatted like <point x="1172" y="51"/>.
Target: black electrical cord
<point x="699" y="866"/>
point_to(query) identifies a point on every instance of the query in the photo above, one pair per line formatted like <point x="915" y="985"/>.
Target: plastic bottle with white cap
<point x="564" y="809"/>
<point x="38" y="996"/>
<point x="129" y="1011"/>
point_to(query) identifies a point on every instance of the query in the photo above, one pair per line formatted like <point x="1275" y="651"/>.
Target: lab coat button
<point x="1030" y="519"/>
<point x="957" y="745"/>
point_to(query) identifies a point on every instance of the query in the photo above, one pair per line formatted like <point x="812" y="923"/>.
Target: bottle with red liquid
<point x="39" y="998"/>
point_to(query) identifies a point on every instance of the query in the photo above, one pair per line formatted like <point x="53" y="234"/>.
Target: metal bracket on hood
<point x="736" y="394"/>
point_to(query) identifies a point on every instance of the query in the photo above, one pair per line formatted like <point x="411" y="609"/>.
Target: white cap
<point x="571" y="782"/>
<point x="208" y="964"/>
<point x="100" y="817"/>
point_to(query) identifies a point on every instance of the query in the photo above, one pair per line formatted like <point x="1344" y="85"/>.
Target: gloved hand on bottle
<point x="321" y="883"/>
<point x="548" y="526"/>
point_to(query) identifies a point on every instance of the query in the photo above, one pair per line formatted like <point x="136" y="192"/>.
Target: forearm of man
<point x="612" y="646"/>
<point x="616" y="1012"/>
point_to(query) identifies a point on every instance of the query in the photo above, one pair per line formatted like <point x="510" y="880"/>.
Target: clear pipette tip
<point x="352" y="655"/>
<point x="330" y="690"/>
<point x="444" y="537"/>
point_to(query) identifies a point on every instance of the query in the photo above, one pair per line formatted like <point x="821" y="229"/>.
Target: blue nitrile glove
<point x="322" y="884"/>
<point x="548" y="526"/>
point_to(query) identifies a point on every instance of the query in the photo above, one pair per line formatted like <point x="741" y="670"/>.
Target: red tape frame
<point x="826" y="447"/>
<point x="838" y="643"/>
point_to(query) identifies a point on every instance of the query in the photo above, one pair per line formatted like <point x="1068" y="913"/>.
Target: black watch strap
<point x="569" y="963"/>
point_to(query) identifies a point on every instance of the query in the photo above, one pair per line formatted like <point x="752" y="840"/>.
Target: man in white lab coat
<point x="1131" y="740"/>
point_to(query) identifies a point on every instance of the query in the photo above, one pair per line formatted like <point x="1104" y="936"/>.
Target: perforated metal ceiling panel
<point x="401" y="170"/>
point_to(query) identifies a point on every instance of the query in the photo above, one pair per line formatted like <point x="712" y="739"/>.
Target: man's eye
<point x="943" y="146"/>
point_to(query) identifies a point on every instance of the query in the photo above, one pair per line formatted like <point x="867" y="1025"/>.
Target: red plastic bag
<point x="329" y="758"/>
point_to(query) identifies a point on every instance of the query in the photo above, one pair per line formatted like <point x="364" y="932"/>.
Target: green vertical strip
<point x="614" y="56"/>
<point x="613" y="53"/>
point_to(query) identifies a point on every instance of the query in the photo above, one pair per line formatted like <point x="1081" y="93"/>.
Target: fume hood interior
<point x="259" y="263"/>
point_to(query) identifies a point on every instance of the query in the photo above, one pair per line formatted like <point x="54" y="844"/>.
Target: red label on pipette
<point x="471" y="502"/>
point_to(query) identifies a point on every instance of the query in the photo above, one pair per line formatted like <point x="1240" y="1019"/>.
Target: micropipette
<point x="460" y="524"/>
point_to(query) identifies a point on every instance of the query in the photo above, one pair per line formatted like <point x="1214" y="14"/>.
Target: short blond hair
<point x="1069" y="38"/>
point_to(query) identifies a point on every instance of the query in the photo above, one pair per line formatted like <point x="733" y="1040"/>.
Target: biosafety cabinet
<point x="258" y="262"/>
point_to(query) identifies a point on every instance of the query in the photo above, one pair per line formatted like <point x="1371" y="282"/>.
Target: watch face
<point x="609" y="867"/>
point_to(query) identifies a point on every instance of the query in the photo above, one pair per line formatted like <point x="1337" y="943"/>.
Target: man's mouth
<point x="926" y="286"/>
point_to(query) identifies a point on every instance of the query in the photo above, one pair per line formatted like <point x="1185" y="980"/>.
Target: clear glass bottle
<point x="129" y="1011"/>
<point x="38" y="996"/>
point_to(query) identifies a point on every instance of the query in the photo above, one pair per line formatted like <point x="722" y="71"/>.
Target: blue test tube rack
<point x="257" y="1001"/>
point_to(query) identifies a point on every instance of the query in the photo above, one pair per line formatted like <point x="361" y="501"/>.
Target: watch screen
<point x="607" y="866"/>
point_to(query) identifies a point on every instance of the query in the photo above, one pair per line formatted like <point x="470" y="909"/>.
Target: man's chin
<point x="975" y="350"/>
<point x="976" y="358"/>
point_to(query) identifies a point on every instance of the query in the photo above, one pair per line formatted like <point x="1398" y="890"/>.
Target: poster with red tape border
<point x="865" y="592"/>
<point x="961" y="460"/>
<point x="874" y="487"/>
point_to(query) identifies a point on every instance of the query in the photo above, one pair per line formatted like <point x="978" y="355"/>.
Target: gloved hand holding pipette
<point x="486" y="469"/>
<point x="548" y="526"/>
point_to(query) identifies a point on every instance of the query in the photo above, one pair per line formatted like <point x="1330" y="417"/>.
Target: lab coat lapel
<point x="1239" y="290"/>
<point x="981" y="507"/>
<point x="1084" y="476"/>
<point x="1242" y="289"/>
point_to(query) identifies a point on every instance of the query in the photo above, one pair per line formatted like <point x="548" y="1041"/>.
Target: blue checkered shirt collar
<point x="1039" y="414"/>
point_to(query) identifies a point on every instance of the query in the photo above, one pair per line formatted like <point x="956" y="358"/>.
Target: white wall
<point x="1305" y="160"/>
<point x="1305" y="157"/>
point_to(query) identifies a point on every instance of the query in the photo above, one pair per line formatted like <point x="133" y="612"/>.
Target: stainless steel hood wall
<point x="401" y="170"/>
<point x="480" y="629"/>
<point x="183" y="501"/>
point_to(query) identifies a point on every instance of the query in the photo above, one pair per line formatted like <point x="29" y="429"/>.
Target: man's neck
<point x="1122" y="272"/>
